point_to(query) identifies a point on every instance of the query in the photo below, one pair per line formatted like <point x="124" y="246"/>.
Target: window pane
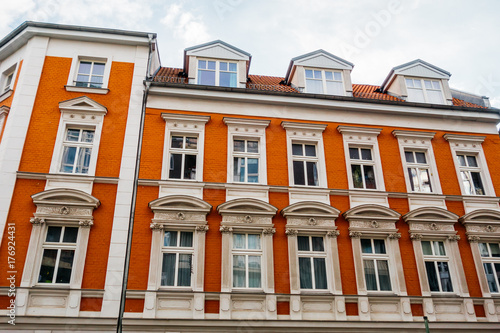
<point x="435" y="85"/>
<point x="202" y="64"/>
<point x="254" y="242"/>
<point x="412" y="174"/>
<point x="490" y="277"/>
<point x="461" y="160"/>
<point x="98" y="68"/>
<point x="379" y="245"/>
<point x="317" y="74"/>
<point x="366" y="154"/>
<point x="467" y="182"/>
<point x="177" y="142"/>
<point x="253" y="170"/>
<point x="383" y="275"/>
<point x="425" y="181"/>
<point x="239" y="272"/>
<point x="168" y="269"/>
<point x="298" y="173"/>
<point x="354" y="153"/>
<point x="495" y="250"/>
<point x="253" y="146"/>
<point x="409" y="83"/>
<point x="314" y="86"/>
<point x="309" y="73"/>
<point x="297" y="150"/>
<point x="317" y="243"/>
<point x="170" y="238"/>
<point x="191" y="142"/>
<point x="184" y="270"/>
<point x="426" y="248"/>
<point x="83" y="162"/>
<point x="305" y="273"/>
<point x="87" y="136"/>
<point x="417" y="83"/>
<point x="357" y="178"/>
<point x="444" y="275"/>
<point x="420" y="157"/>
<point x="85" y="67"/>
<point x="239" y="145"/>
<point x="227" y="79"/>
<point x="65" y="265"/>
<point x="48" y="265"/>
<point x="82" y="80"/>
<point x="310" y="150"/>
<point x="483" y="249"/>
<point x="471" y="161"/>
<point x="186" y="239"/>
<point x="435" y="96"/>
<point x="70" y="234"/>
<point x="239" y="169"/>
<point x="254" y="275"/>
<point x="68" y="159"/>
<point x="335" y="88"/>
<point x="409" y="157"/>
<point x="223" y="66"/>
<point x="416" y="95"/>
<point x="320" y="273"/>
<point x="369" y="176"/>
<point x="439" y="249"/>
<point x="211" y="65"/>
<point x="232" y="67"/>
<point x="190" y="167"/>
<point x="53" y="234"/>
<point x="238" y="241"/>
<point x="497" y="269"/>
<point x="478" y="184"/>
<point x="206" y="77"/>
<point x="371" y="281"/>
<point x="432" y="275"/>
<point x="312" y="174"/>
<point x="427" y="84"/>
<point x="303" y="243"/>
<point x="175" y="166"/>
<point x="366" y="245"/>
<point x="328" y="75"/>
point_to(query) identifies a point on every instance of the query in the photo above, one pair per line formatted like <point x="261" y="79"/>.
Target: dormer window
<point x="217" y="73"/>
<point x="324" y="82"/>
<point x="424" y="91"/>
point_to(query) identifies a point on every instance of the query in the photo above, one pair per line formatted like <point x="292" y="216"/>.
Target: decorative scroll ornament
<point x="37" y="221"/>
<point x="291" y="232"/>
<point x="454" y="238"/>
<point x="333" y="233"/>
<point x="64" y="210"/>
<point x="434" y="226"/>
<point x="416" y="237"/>
<point x="489" y="228"/>
<point x="395" y="235"/>
<point x="181" y="216"/>
<point x="248" y="219"/>
<point x="374" y="224"/>
<point x="268" y="231"/>
<point x="312" y="221"/>
<point x="354" y="234"/>
<point x="156" y="226"/>
<point x="86" y="223"/>
<point x="225" y="229"/>
<point x="473" y="238"/>
<point x="202" y="228"/>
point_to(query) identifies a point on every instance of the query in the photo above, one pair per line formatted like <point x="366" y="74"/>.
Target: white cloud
<point x="185" y="25"/>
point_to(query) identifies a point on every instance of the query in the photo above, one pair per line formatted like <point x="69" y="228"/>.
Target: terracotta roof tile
<point x="273" y="83"/>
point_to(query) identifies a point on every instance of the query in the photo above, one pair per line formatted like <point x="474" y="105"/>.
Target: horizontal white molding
<point x="45" y="176"/>
<point x="101" y="91"/>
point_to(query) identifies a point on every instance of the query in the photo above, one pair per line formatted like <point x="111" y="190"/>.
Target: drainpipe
<point x="126" y="266"/>
<point x="426" y="322"/>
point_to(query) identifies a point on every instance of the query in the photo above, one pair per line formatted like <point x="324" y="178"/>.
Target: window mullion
<point x="56" y="265"/>
<point x="176" y="269"/>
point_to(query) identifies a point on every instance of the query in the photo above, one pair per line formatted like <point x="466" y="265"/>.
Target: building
<point x="303" y="202"/>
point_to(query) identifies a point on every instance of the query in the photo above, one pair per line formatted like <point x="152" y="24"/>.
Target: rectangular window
<point x="217" y="73"/>
<point x="312" y="262"/>
<point x="246" y="160"/>
<point x="9" y="78"/>
<point x="418" y="171"/>
<point x="362" y="168"/>
<point x="58" y="254"/>
<point x="177" y="259"/>
<point x="90" y="74"/>
<point x="490" y="255"/>
<point x="77" y="150"/>
<point x="305" y="164"/>
<point x="424" y="91"/>
<point x="183" y="156"/>
<point x="471" y="174"/>
<point x="324" y="82"/>
<point x="247" y="259"/>
<point x="436" y="265"/>
<point x="376" y="265"/>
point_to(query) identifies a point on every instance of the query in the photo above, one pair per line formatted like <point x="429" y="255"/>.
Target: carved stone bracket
<point x="202" y="228"/>
<point x="156" y="226"/>
<point x="416" y="237"/>
<point x="333" y="233"/>
<point x="473" y="238"/>
<point x="268" y="231"/>
<point x="291" y="232"/>
<point x="354" y="234"/>
<point x="37" y="221"/>
<point x="454" y="238"/>
<point x="395" y="235"/>
<point x="86" y="223"/>
<point x="225" y="229"/>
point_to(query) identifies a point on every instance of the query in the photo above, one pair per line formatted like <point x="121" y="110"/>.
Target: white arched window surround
<point x="177" y="213"/>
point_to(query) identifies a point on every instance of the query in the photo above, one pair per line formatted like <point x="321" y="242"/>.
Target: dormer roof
<point x="418" y="68"/>
<point x="318" y="59"/>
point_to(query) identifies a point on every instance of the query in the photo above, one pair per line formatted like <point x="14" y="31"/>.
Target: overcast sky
<point x="460" y="36"/>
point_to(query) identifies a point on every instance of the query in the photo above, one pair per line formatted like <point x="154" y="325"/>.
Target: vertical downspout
<point x="126" y="266"/>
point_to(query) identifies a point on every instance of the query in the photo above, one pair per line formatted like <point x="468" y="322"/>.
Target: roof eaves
<point x="218" y="41"/>
<point x="416" y="61"/>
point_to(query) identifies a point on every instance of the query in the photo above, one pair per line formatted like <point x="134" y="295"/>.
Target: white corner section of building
<point x="18" y="121"/>
<point x="118" y="245"/>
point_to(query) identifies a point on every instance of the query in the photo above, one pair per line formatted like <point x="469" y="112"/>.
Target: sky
<point x="459" y="36"/>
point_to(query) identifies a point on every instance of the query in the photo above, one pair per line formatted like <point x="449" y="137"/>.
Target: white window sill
<point x="101" y="91"/>
<point x="6" y="95"/>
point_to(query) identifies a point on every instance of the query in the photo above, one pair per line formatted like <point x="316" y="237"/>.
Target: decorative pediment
<point x="4" y="110"/>
<point x="322" y="59"/>
<point x="82" y="104"/>
<point x="481" y="216"/>
<point x="247" y="206"/>
<point x="65" y="197"/>
<point x="180" y="203"/>
<point x="64" y="205"/>
<point x="219" y="50"/>
<point x="421" y="68"/>
<point x="430" y="215"/>
<point x="371" y="213"/>
<point x="308" y="209"/>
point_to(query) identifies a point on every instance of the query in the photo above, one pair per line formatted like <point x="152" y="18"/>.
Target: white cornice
<point x="246" y="122"/>
<point x="184" y="117"/>
<point x="469" y="138"/>
<point x="413" y="134"/>
<point x="289" y="125"/>
<point x="358" y="130"/>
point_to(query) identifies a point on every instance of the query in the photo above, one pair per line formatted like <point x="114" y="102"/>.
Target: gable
<point x="84" y="104"/>
<point x="421" y="70"/>
<point x="218" y="50"/>
<point x="321" y="60"/>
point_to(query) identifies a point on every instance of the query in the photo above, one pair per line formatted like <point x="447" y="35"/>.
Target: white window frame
<point x="10" y="72"/>
<point x="424" y="89"/>
<point x="247" y="129"/>
<point x="470" y="145"/>
<point x="75" y="66"/>
<point x="311" y="255"/>
<point x="4" y="112"/>
<point x="217" y="70"/>
<point x="435" y="258"/>
<point x="363" y="137"/>
<point x="375" y="257"/>
<point x="246" y="252"/>
<point x="183" y="151"/>
<point x="75" y="116"/>
<point x="492" y="261"/>
<point x="184" y="125"/>
<point x="311" y="134"/>
<point x="324" y="80"/>
<point x="178" y="250"/>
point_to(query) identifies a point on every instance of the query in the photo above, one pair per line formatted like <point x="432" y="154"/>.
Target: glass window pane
<point x="305" y="273"/>
<point x="366" y="154"/>
<point x="253" y="146"/>
<point x="254" y="242"/>
<point x="254" y="269"/>
<point x="177" y="142"/>
<point x="72" y="135"/>
<point x="298" y="173"/>
<point x="184" y="270"/>
<point x="65" y="266"/>
<point x="439" y="249"/>
<point x="253" y="170"/>
<point x="170" y="238"/>
<point x="87" y="136"/>
<point x="412" y="174"/>
<point x="444" y="275"/>
<point x="223" y="66"/>
<point x="239" y="272"/>
<point x="471" y="161"/>
<point x="354" y="153"/>
<point x="239" y="241"/>
<point x="495" y="250"/>
<point x="68" y="159"/>
<point x="320" y="273"/>
<point x="53" y="234"/>
<point x="366" y="246"/>
<point x="239" y="169"/>
<point x="417" y="83"/>
<point x="70" y="234"/>
<point x="379" y="245"/>
<point x="232" y="66"/>
<point x="490" y="277"/>
<point x="371" y="280"/>
<point x="432" y="276"/>
<point x="190" y="167"/>
<point x="328" y="75"/>
<point x="416" y="95"/>
<point x="310" y="150"/>
<point x="314" y="86"/>
<point x="303" y="243"/>
<point x="168" y="269"/>
<point x="48" y="264"/>
<point x="425" y="181"/>
<point x="435" y="96"/>
<point x="383" y="275"/>
<point x="239" y="145"/>
<point x="312" y="174"/>
<point x="83" y="162"/>
<point x="420" y="157"/>
<point x="337" y="76"/>
<point x="211" y="65"/>
<point x="317" y="75"/>
<point x="297" y="150"/>
<point x="427" y="84"/>
<point x="357" y="178"/>
<point x="426" y="248"/>
<point x="335" y="88"/>
<point x="85" y="67"/>
<point x="409" y="83"/>
<point x="98" y="68"/>
<point x="227" y="79"/>
<point x="461" y="160"/>
<point x="478" y="184"/>
<point x="202" y="64"/>
<point x="317" y="244"/>
<point x="467" y="182"/>
<point x="206" y="77"/>
<point x="409" y="157"/>
<point x="309" y="73"/>
<point x="435" y="85"/>
<point x="175" y="166"/>
<point x="497" y="270"/>
<point x="191" y="142"/>
<point x="369" y="176"/>
<point x="186" y="239"/>
<point x="483" y="249"/>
